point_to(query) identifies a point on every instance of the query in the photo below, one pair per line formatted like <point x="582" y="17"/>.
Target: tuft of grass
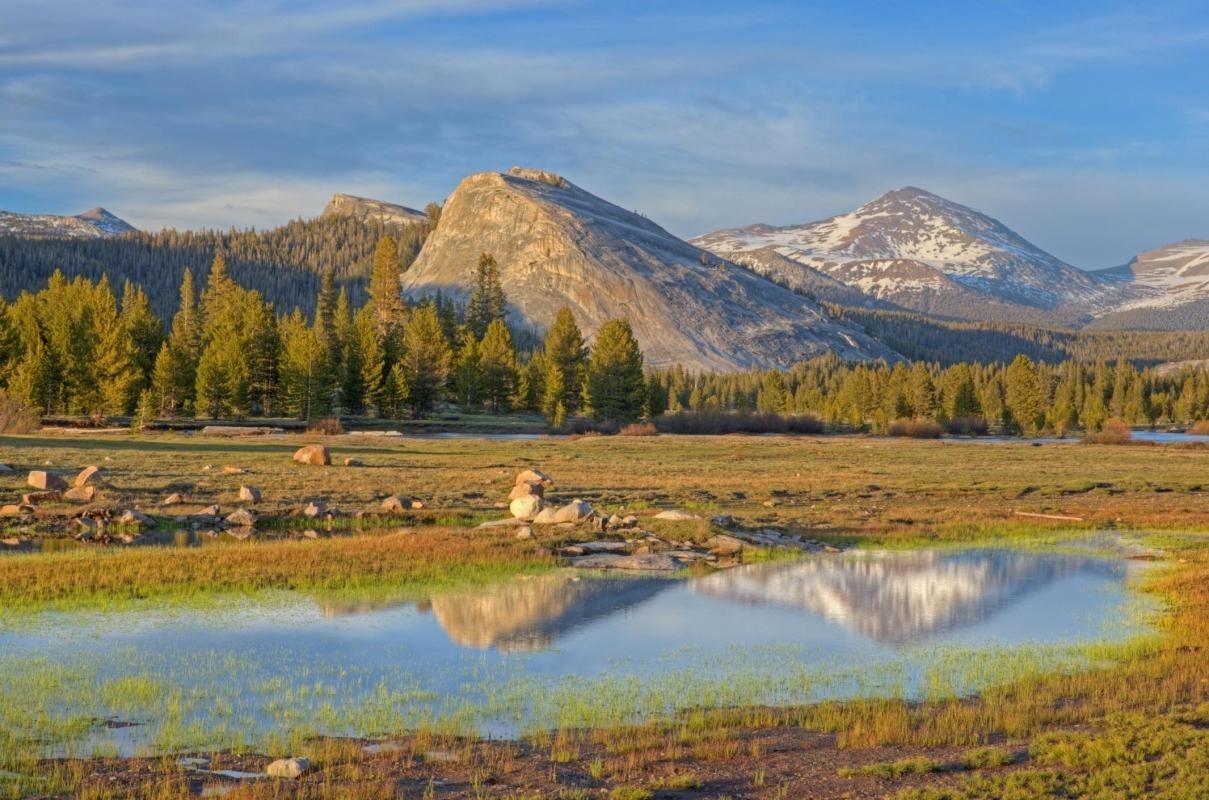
<point x="986" y="758"/>
<point x="892" y="770"/>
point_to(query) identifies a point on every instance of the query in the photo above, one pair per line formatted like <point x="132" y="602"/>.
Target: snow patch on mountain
<point x="95" y="223"/>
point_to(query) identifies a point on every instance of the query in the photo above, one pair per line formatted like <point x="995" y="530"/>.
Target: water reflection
<point x="531" y="614"/>
<point x="897" y="597"/>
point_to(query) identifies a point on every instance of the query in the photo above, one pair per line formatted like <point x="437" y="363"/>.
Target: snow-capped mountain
<point x="1178" y="273"/>
<point x="95" y="223"/>
<point x="916" y="250"/>
<point x="558" y="245"/>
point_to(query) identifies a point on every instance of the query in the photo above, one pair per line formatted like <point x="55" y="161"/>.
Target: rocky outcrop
<point x="95" y="223"/>
<point x="314" y="454"/>
<point x="368" y="210"/>
<point x="557" y="245"/>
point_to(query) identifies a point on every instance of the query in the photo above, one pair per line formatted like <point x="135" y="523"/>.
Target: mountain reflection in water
<point x="892" y="598"/>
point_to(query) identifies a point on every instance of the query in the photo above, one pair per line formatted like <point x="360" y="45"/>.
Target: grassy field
<point x="1135" y="725"/>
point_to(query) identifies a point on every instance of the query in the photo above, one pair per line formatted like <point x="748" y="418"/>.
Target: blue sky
<point x="1083" y="125"/>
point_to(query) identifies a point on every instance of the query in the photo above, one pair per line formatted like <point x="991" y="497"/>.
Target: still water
<point x="567" y="648"/>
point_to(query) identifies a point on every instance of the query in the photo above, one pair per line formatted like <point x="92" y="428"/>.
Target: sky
<point x="1082" y="125"/>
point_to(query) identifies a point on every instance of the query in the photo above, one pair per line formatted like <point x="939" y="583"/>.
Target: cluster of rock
<point x="51" y="488"/>
<point x="633" y="547"/>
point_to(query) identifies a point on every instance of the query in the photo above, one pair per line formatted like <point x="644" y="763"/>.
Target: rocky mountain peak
<point x="559" y="245"/>
<point x="369" y="210"/>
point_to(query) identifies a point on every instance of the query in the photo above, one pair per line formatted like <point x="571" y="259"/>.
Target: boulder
<point x="395" y="504"/>
<point x="676" y="516"/>
<point x="249" y="494"/>
<point x="526" y="507"/>
<point x="510" y="522"/>
<point x="174" y="499"/>
<point x="649" y="562"/>
<point x="527" y="488"/>
<point x="81" y="494"/>
<point x="724" y="545"/>
<point x="89" y="476"/>
<point x="535" y="476"/>
<point x="353" y="462"/>
<point x="46" y="481"/>
<point x="524" y="532"/>
<point x="41" y="498"/>
<point x="314" y="454"/>
<point x="5" y="469"/>
<point x="243" y="518"/>
<point x="134" y="517"/>
<point x="15" y="510"/>
<point x="547" y="516"/>
<point x="288" y="768"/>
<point x="575" y="511"/>
<point x="209" y="511"/>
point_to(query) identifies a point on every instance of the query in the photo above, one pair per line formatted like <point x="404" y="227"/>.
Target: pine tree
<point x="305" y="380"/>
<point x="921" y="391"/>
<point x="487" y="301"/>
<point x="566" y="359"/>
<point x="616" y="388"/>
<point x="497" y="364"/>
<point x="212" y="390"/>
<point x="467" y="373"/>
<point x="426" y="359"/>
<point x="1023" y="394"/>
<point x="372" y="356"/>
<point x="386" y="300"/>
<point x="216" y="298"/>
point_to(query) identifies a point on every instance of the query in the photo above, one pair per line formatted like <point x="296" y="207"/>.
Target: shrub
<point x="967" y="426"/>
<point x="715" y="423"/>
<point x="328" y="426"/>
<point x="639" y="429"/>
<point x="1200" y="427"/>
<point x="1114" y="431"/>
<point x="914" y="428"/>
<point x="16" y="416"/>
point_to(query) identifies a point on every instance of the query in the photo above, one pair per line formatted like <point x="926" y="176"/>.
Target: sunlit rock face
<point x="532" y="612"/>
<point x="895" y="598"/>
<point x="558" y="245"/>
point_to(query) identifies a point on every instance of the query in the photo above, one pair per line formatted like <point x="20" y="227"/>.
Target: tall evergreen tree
<point x="384" y="292"/>
<point x="566" y="359"/>
<point x="616" y="388"/>
<point x="1023" y="394"/>
<point x="497" y="364"/>
<point x="426" y="359"/>
<point x="487" y="300"/>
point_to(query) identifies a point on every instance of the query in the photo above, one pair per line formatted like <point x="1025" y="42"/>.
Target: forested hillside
<point x="919" y="337"/>
<point x="284" y="264"/>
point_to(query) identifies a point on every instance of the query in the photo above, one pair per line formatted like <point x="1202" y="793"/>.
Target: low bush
<point x="1200" y="427"/>
<point x="1114" y="431"/>
<point x="915" y="428"/>
<point x="967" y="426"/>
<point x="639" y="429"/>
<point x="328" y="426"/>
<point x="716" y="423"/>
<point x="16" y="416"/>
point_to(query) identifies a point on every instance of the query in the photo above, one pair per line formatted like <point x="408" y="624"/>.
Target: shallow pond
<point x="563" y="648"/>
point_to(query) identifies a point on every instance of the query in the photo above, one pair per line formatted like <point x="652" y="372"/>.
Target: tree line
<point x="74" y="348"/>
<point x="1022" y="396"/>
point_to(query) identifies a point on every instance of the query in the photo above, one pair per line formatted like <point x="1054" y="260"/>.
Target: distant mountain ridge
<point x="918" y="251"/>
<point x="557" y="245"/>
<point x="95" y="223"/>
<point x="370" y="210"/>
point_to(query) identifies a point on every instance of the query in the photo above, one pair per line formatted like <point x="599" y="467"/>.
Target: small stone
<point x="209" y="511"/>
<point x="5" y="469"/>
<point x="526" y="507"/>
<point x="89" y="476"/>
<point x="575" y="511"/>
<point x="81" y="494"/>
<point x="174" y="499"/>
<point x="15" y="510"/>
<point x="47" y="481"/>
<point x="723" y="521"/>
<point x="547" y="516"/>
<point x="288" y="767"/>
<point x="676" y="516"/>
<point x="535" y="476"/>
<point x="525" y="489"/>
<point x="234" y="470"/>
<point x="243" y="518"/>
<point x="524" y="532"/>
<point x="353" y="462"/>
<point x="724" y="545"/>
<point x="314" y="510"/>
<point x="394" y="505"/>
<point x="249" y="494"/>
<point x="313" y="454"/>
<point x="510" y="522"/>
<point x="310" y="533"/>
<point x="134" y="517"/>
